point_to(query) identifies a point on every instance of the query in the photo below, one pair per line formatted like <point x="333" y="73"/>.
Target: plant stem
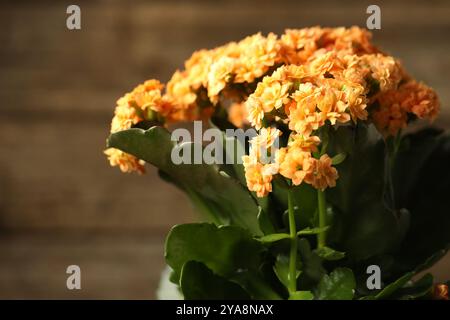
<point x="293" y="251"/>
<point x="321" y="236"/>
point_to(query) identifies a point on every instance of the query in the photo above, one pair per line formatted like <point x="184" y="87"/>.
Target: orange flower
<point x="357" y="101"/>
<point x="352" y="40"/>
<point x="148" y="96"/>
<point x="258" y="170"/>
<point x="385" y="70"/>
<point x="179" y="88"/>
<point x="126" y="162"/>
<point x="292" y="163"/>
<point x="272" y="95"/>
<point x="306" y="144"/>
<point x="323" y="62"/>
<point x="124" y="114"/>
<point x="330" y="106"/>
<point x="389" y="119"/>
<point x="255" y="111"/>
<point x="258" y="176"/>
<point x="420" y="100"/>
<point x="257" y="55"/>
<point x="303" y="117"/>
<point x="299" y="166"/>
<point x="264" y="144"/>
<point x="266" y="137"/>
<point x="237" y="115"/>
<point x="320" y="173"/>
<point x="303" y="80"/>
<point x="132" y="108"/>
<point x="411" y="97"/>
<point x="218" y="77"/>
<point x="297" y="45"/>
<point x="197" y="67"/>
<point x="182" y="96"/>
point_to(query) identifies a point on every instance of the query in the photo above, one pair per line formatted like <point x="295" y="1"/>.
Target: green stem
<point x="321" y="236"/>
<point x="293" y="252"/>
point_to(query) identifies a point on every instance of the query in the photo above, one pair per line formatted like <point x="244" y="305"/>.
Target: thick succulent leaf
<point x="404" y="287"/>
<point x="309" y="231"/>
<point x="304" y="200"/>
<point x="416" y="289"/>
<point x="414" y="152"/>
<point x="311" y="266"/>
<point x="233" y="150"/>
<point x="237" y="149"/>
<point x="363" y="225"/>
<point x="339" y="285"/>
<point x="391" y="288"/>
<point x="224" y="250"/>
<point x="362" y="170"/>
<point x="274" y="237"/>
<point x="228" y="251"/>
<point x="330" y="254"/>
<point x="256" y="285"/>
<point x="199" y="282"/>
<point x="223" y="196"/>
<point x="281" y="269"/>
<point x="423" y="166"/>
<point x="266" y="220"/>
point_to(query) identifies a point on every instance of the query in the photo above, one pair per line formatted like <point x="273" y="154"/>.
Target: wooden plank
<point x="113" y="266"/>
<point x="55" y="175"/>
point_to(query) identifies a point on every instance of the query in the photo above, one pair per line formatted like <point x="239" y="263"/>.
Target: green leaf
<point x="226" y="198"/>
<point x="301" y="295"/>
<point x="237" y="149"/>
<point x="308" y="231"/>
<point x="416" y="289"/>
<point x="311" y="265"/>
<point x="387" y="291"/>
<point x="266" y="214"/>
<point x="228" y="251"/>
<point x="338" y="159"/>
<point x="339" y="285"/>
<point x="329" y="254"/>
<point x="281" y="269"/>
<point x="224" y="250"/>
<point x="404" y="288"/>
<point x="422" y="181"/>
<point x="258" y="287"/>
<point x="363" y="226"/>
<point x="274" y="237"/>
<point x="418" y="146"/>
<point x="198" y="282"/>
<point x="304" y="200"/>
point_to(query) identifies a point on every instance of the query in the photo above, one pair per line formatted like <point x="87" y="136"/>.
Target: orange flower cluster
<point x="258" y="170"/>
<point x="303" y="80"/>
<point x="132" y="108"/>
<point x="411" y="99"/>
<point x="328" y="76"/>
<point x="294" y="162"/>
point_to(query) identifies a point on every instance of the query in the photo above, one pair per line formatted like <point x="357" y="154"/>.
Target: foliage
<point x="388" y="208"/>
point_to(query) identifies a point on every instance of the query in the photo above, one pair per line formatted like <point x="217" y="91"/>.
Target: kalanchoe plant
<point x="347" y="189"/>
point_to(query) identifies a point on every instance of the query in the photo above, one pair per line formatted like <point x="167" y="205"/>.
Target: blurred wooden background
<point x="60" y="202"/>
